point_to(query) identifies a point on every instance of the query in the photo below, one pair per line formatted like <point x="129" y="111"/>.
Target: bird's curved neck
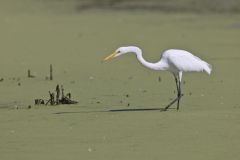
<point x="140" y="58"/>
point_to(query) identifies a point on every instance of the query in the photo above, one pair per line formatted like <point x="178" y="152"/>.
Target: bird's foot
<point x="171" y="103"/>
<point x="163" y="109"/>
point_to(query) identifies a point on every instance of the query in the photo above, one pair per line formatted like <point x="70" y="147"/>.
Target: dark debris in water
<point x="56" y="98"/>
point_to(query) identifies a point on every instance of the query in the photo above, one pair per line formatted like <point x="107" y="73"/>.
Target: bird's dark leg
<point x="177" y="84"/>
<point x="178" y="95"/>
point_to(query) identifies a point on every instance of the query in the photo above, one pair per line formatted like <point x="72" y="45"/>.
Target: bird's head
<point x="118" y="52"/>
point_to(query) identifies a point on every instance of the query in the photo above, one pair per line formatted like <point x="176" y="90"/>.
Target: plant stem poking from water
<point x="51" y="72"/>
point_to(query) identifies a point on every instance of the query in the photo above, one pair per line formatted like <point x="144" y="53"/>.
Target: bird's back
<point x="184" y="61"/>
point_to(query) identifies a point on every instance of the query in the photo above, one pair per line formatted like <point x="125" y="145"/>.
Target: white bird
<point x="173" y="60"/>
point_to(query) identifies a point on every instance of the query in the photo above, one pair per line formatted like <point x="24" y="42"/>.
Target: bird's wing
<point x="186" y="62"/>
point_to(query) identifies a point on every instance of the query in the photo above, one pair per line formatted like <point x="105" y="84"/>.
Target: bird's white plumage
<point x="184" y="61"/>
<point x="173" y="60"/>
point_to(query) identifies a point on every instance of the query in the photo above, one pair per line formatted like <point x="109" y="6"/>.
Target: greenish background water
<point x="75" y="36"/>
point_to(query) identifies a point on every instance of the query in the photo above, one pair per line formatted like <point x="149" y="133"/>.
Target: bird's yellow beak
<point x="111" y="56"/>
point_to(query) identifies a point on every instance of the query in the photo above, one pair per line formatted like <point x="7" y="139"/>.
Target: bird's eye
<point x="118" y="51"/>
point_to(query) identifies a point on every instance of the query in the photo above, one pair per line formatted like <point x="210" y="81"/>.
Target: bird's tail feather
<point x="208" y="68"/>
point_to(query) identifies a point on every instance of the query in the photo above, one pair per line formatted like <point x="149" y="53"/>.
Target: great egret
<point x="173" y="60"/>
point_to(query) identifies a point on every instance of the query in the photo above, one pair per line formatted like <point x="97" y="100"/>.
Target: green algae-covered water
<point x="205" y="127"/>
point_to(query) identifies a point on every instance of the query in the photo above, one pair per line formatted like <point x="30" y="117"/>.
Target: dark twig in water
<point x="29" y="75"/>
